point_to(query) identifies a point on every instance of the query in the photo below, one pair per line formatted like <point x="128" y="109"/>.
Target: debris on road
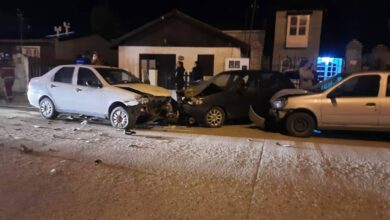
<point x="130" y="132"/>
<point x="53" y="171"/>
<point x="37" y="126"/>
<point x="283" y="145"/>
<point x="24" y="149"/>
<point x="85" y="122"/>
<point x="98" y="161"/>
<point x="12" y="117"/>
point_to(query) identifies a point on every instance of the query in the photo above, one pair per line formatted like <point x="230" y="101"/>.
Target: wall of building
<point x="311" y="52"/>
<point x="256" y="43"/>
<point x="70" y="49"/>
<point x="129" y="56"/>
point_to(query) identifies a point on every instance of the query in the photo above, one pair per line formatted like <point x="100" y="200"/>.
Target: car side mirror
<point x="334" y="94"/>
<point x="93" y="84"/>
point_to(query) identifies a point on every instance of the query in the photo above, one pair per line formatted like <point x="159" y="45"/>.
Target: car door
<point x="384" y="117"/>
<point x="61" y="89"/>
<point x="353" y="103"/>
<point x="237" y="102"/>
<point x="89" y="94"/>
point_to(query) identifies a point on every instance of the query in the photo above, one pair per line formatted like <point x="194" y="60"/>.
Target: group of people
<point x="195" y="76"/>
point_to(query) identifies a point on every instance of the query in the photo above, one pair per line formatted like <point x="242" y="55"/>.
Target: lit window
<point x="297" y="31"/>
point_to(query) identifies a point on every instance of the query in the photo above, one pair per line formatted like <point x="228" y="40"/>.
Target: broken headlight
<point x="279" y="103"/>
<point x="195" y="101"/>
<point x="143" y="100"/>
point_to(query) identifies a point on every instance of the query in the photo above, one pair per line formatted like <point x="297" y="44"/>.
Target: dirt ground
<point x="64" y="170"/>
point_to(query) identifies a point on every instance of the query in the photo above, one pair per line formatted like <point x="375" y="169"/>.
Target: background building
<point x="297" y="37"/>
<point x="157" y="46"/>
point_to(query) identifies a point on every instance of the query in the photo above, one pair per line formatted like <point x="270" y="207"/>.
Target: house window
<point x="32" y="51"/>
<point x="297" y="31"/>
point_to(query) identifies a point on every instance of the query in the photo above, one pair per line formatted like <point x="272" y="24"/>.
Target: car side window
<point x="86" y="75"/>
<point x="388" y="87"/>
<point x="222" y="80"/>
<point x="64" y="75"/>
<point x="360" y="86"/>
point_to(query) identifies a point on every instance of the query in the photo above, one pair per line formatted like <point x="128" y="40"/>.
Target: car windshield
<point x="326" y="84"/>
<point x="117" y="76"/>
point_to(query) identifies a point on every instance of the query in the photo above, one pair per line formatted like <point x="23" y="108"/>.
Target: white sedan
<point x="98" y="91"/>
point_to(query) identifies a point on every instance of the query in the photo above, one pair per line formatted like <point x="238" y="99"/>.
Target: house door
<point x="165" y="66"/>
<point x="206" y="63"/>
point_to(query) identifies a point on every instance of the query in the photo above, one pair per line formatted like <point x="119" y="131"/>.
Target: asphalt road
<point x="64" y="169"/>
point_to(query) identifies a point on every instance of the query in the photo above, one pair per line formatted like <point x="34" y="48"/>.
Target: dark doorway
<point x="206" y="63"/>
<point x="165" y="66"/>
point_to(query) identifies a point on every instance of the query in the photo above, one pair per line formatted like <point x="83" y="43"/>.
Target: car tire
<point x="121" y="118"/>
<point x="47" y="109"/>
<point x="300" y="124"/>
<point x="215" y="117"/>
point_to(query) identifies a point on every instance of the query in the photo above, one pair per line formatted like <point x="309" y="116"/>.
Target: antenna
<point x="58" y="30"/>
<point x="67" y="27"/>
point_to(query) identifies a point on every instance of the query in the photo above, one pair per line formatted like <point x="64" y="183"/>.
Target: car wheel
<point x="215" y="117"/>
<point x="47" y="109"/>
<point x="120" y="118"/>
<point x="300" y="124"/>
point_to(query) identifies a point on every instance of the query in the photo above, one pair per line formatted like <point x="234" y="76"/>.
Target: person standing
<point x="196" y="75"/>
<point x="7" y="75"/>
<point x="96" y="59"/>
<point x="306" y="75"/>
<point x="179" y="76"/>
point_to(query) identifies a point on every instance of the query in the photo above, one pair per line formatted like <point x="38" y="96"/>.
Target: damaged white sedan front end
<point x="99" y="91"/>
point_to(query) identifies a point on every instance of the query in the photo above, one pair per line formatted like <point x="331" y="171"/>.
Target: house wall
<point x="129" y="56"/>
<point x="256" y="43"/>
<point x="69" y="49"/>
<point x="311" y="52"/>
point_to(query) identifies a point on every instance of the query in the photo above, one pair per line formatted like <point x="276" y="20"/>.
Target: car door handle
<point x="52" y="86"/>
<point x="78" y="90"/>
<point x="371" y="104"/>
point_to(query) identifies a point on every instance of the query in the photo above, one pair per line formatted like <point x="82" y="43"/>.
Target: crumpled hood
<point x="290" y="92"/>
<point x="146" y="89"/>
<point x="196" y="90"/>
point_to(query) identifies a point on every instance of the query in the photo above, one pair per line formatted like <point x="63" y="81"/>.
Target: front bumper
<point x="196" y="112"/>
<point x="158" y="108"/>
<point x="278" y="114"/>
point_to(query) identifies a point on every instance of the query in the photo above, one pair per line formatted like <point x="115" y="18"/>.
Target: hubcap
<point x="120" y="119"/>
<point x="214" y="117"/>
<point x="301" y="125"/>
<point x="46" y="108"/>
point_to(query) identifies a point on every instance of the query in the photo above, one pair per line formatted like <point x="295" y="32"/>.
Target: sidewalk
<point x="19" y="101"/>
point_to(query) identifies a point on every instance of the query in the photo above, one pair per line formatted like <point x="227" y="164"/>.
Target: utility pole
<point x="20" y="16"/>
<point x="252" y="23"/>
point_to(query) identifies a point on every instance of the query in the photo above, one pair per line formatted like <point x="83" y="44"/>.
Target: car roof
<point x="87" y="65"/>
<point x="242" y="72"/>
<point x="369" y="73"/>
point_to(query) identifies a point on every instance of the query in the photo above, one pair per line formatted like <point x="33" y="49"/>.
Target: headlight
<point x="279" y="103"/>
<point x="195" y="101"/>
<point x="143" y="100"/>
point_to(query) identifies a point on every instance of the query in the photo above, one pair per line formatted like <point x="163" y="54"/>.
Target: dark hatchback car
<point x="228" y="95"/>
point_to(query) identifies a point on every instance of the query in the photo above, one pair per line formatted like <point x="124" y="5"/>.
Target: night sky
<point x="368" y="21"/>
